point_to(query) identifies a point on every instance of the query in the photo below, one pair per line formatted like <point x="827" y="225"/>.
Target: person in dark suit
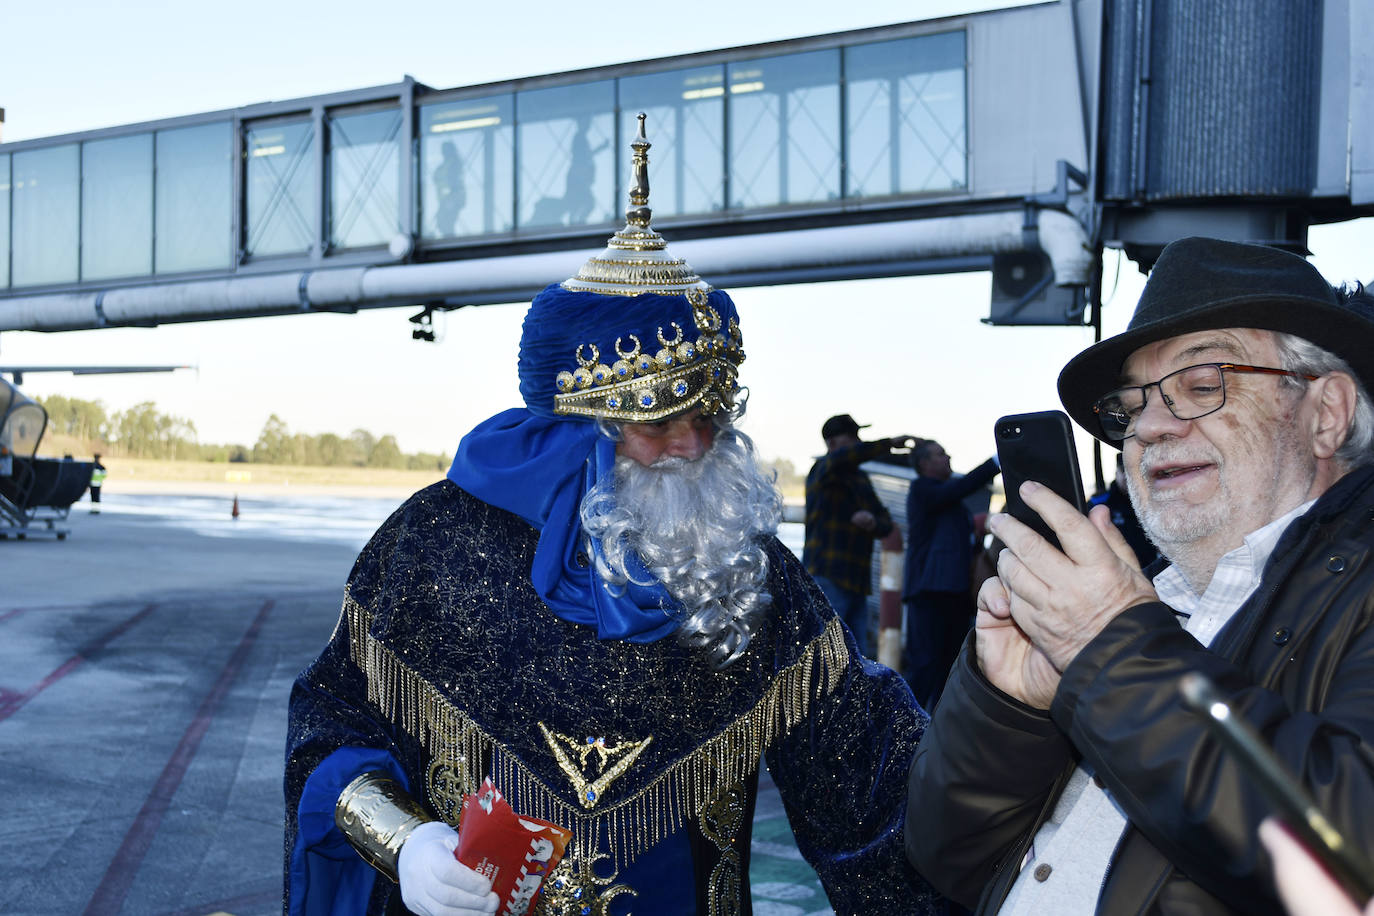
<point x="939" y="555"/>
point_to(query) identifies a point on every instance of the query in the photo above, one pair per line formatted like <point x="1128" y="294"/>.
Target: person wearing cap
<point x="843" y="519"/>
<point x="593" y="610"/>
<point x="1063" y="772"/>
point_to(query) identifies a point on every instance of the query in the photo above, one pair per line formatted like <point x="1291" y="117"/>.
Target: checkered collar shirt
<point x="1236" y="577"/>
<point x="835" y="547"/>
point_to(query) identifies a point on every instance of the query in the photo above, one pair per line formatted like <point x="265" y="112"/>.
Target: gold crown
<point x="639" y="387"/>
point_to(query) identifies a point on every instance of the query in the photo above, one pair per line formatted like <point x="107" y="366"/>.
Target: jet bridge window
<point x="905" y="116"/>
<point x="567" y="155"/>
<point x="117" y="207"/>
<point x="364" y="178"/>
<point x="686" y="125"/>
<point x="281" y="188"/>
<point x="785" y="129"/>
<point x="467" y="157"/>
<point x="195" y="187"/>
<point x="46" y="217"/>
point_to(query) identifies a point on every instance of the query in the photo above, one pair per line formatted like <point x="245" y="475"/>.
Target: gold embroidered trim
<point x="630" y="825"/>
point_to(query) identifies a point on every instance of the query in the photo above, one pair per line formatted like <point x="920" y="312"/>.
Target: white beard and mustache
<point x="1245" y="499"/>
<point x="1169" y="522"/>
<point x="698" y="527"/>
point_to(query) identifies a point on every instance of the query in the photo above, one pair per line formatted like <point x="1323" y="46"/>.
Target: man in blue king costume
<point x="593" y="610"/>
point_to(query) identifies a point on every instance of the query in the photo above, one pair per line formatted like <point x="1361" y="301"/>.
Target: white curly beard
<point x="698" y="527"/>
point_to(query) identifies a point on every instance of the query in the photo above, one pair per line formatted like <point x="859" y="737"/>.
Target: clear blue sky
<point x="907" y="355"/>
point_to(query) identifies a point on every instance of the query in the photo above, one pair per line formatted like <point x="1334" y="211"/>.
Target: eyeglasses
<point x="1189" y="393"/>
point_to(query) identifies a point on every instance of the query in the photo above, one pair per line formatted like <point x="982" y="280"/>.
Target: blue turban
<point x="539" y="464"/>
<point x="561" y="322"/>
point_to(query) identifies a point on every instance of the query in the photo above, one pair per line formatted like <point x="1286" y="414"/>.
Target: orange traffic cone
<point x="234" y="513"/>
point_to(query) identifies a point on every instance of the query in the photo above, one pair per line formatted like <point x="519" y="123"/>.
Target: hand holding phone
<point x="1060" y="607"/>
<point x="1038" y="447"/>
<point x="1293" y="804"/>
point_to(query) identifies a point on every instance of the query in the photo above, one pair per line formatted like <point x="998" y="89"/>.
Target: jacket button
<point x="1042" y="872"/>
<point x="1282" y="635"/>
<point x="1335" y="564"/>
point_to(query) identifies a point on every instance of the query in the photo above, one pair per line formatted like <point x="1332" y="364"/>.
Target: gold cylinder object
<point x="376" y="815"/>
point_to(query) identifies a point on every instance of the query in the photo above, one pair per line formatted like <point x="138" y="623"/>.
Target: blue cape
<point x="540" y="469"/>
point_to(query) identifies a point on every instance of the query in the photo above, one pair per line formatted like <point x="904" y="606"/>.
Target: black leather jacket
<point x="1297" y="662"/>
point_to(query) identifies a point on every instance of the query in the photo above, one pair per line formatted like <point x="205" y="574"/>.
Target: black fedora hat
<point x="1199" y="284"/>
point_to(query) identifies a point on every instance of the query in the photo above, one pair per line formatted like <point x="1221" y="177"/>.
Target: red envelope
<point x="516" y="853"/>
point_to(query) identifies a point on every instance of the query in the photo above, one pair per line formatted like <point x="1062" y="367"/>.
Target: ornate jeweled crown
<point x="641" y="387"/>
<point x="684" y="371"/>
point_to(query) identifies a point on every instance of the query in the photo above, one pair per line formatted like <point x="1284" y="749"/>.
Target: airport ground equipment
<point x="35" y="493"/>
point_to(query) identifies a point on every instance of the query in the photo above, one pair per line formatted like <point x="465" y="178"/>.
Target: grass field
<point x="144" y="474"/>
<point x="147" y="473"/>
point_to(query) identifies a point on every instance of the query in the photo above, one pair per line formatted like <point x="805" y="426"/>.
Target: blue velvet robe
<point x="445" y="667"/>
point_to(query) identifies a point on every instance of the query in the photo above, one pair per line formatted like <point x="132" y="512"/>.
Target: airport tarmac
<point x="144" y="674"/>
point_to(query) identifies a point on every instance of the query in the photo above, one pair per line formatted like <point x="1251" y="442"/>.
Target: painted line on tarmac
<point x="16" y="611"/>
<point x="114" y="887"/>
<point x="13" y="702"/>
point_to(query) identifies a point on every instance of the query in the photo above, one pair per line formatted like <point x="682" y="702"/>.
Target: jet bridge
<point x="1019" y="141"/>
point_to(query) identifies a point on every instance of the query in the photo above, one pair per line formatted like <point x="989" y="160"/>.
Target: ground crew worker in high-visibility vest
<point x="97" y="481"/>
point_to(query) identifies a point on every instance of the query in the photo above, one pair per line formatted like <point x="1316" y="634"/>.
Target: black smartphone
<point x="1292" y="803"/>
<point x="1039" y="447"/>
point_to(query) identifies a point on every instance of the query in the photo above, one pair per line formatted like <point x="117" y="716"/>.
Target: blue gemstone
<point x="577" y="894"/>
<point x="586" y="911"/>
<point x="591" y="740"/>
<point x="591" y="795"/>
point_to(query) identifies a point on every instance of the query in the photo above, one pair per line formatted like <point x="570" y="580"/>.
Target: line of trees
<point x="142" y="431"/>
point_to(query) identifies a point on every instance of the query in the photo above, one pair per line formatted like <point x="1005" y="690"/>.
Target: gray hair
<point x="1297" y="354"/>
<point x="700" y="529"/>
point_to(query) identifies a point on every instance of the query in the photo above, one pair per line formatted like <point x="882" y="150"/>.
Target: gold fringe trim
<point x="457" y="746"/>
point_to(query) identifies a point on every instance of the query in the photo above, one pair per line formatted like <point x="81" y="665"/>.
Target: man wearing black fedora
<point x="1063" y="772"/>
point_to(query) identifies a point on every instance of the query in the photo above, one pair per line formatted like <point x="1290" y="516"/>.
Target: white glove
<point x="433" y="882"/>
